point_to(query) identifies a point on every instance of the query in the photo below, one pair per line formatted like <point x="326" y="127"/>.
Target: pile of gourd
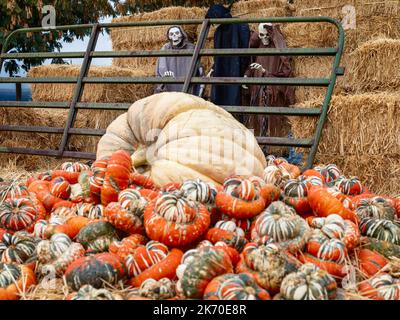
<point x="284" y="236"/>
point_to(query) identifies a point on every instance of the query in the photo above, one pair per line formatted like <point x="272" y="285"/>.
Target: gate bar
<point x="205" y="26"/>
<point x="79" y="88"/>
<point x="183" y="52"/>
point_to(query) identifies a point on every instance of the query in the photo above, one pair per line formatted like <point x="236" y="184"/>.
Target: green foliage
<point x="16" y="14"/>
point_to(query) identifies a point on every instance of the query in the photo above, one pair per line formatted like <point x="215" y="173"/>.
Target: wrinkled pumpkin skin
<point x="235" y="287"/>
<point x="182" y="137"/>
<point x="174" y="220"/>
<point x="209" y="262"/>
<point x="97" y="236"/>
<point x="94" y="270"/>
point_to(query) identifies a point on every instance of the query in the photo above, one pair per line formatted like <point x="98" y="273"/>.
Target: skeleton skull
<point x="175" y="36"/>
<point x="263" y="33"/>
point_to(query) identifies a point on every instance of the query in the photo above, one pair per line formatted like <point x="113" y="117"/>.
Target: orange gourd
<point x="323" y="204"/>
<point x="14" y="279"/>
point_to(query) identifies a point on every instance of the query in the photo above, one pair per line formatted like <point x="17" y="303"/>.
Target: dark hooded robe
<point x="179" y="65"/>
<point x="228" y="36"/>
<point x="268" y="95"/>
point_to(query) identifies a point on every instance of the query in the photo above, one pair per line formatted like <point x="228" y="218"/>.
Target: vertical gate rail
<point x="79" y="88"/>
<point x="197" y="53"/>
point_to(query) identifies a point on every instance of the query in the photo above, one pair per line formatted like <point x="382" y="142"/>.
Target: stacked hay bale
<point x="361" y="21"/>
<point x="362" y="135"/>
<point x="150" y="38"/>
<point x="26" y="117"/>
<point x="96" y="119"/>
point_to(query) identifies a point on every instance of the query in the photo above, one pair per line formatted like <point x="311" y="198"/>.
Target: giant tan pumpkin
<point x="178" y="136"/>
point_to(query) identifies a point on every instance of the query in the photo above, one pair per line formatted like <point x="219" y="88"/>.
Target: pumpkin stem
<point x="139" y="157"/>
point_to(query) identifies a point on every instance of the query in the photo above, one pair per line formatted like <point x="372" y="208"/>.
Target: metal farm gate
<point x="75" y="105"/>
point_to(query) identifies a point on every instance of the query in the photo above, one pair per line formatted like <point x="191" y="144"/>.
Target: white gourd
<point x="178" y="136"/>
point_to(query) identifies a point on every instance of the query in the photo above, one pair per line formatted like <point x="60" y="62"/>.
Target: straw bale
<point x="92" y="92"/>
<point x="25" y="117"/>
<point x="361" y="136"/>
<point x="362" y="124"/>
<point x="316" y="67"/>
<point x="373" y="66"/>
<point x="375" y="18"/>
<point x="152" y="37"/>
<point x="247" y="6"/>
<point x="96" y="119"/>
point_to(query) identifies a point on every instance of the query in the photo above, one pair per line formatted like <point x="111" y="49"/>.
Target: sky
<point x="103" y="44"/>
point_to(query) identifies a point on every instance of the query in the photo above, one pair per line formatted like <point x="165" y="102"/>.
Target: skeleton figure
<point x="175" y="36"/>
<point x="269" y="36"/>
<point x="176" y="66"/>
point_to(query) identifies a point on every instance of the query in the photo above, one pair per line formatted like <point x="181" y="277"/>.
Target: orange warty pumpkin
<point x="227" y="232"/>
<point x="175" y="220"/>
<point x="127" y="245"/>
<point x="129" y="220"/>
<point x="323" y="204"/>
<point x="20" y="214"/>
<point x="116" y="177"/>
<point x="268" y="264"/>
<point x="152" y="261"/>
<point x="244" y="197"/>
<point x="231" y="286"/>
<point x="370" y="262"/>
<point x="198" y="268"/>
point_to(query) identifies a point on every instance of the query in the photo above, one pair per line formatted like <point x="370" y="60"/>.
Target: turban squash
<point x="97" y="236"/>
<point x="57" y="253"/>
<point x="175" y="220"/>
<point x="129" y="220"/>
<point x="267" y="263"/>
<point x="180" y="137"/>
<point x="381" y="287"/>
<point x="245" y="197"/>
<point x="9" y="190"/>
<point x="370" y="262"/>
<point x="381" y="229"/>
<point x="330" y="172"/>
<point x="308" y="283"/>
<point x="375" y="207"/>
<point x="350" y="186"/>
<point x="296" y="191"/>
<point x="15" y="278"/>
<point x="230" y="286"/>
<point x="227" y="232"/>
<point x="332" y="240"/>
<point x="20" y="213"/>
<point x="327" y="253"/>
<point x="280" y="223"/>
<point x="95" y="270"/>
<point x="127" y="245"/>
<point x="19" y="247"/>
<point x="153" y="260"/>
<point x="199" y="266"/>
<point x="323" y="203"/>
<point x="336" y="227"/>
<point x="110" y="176"/>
